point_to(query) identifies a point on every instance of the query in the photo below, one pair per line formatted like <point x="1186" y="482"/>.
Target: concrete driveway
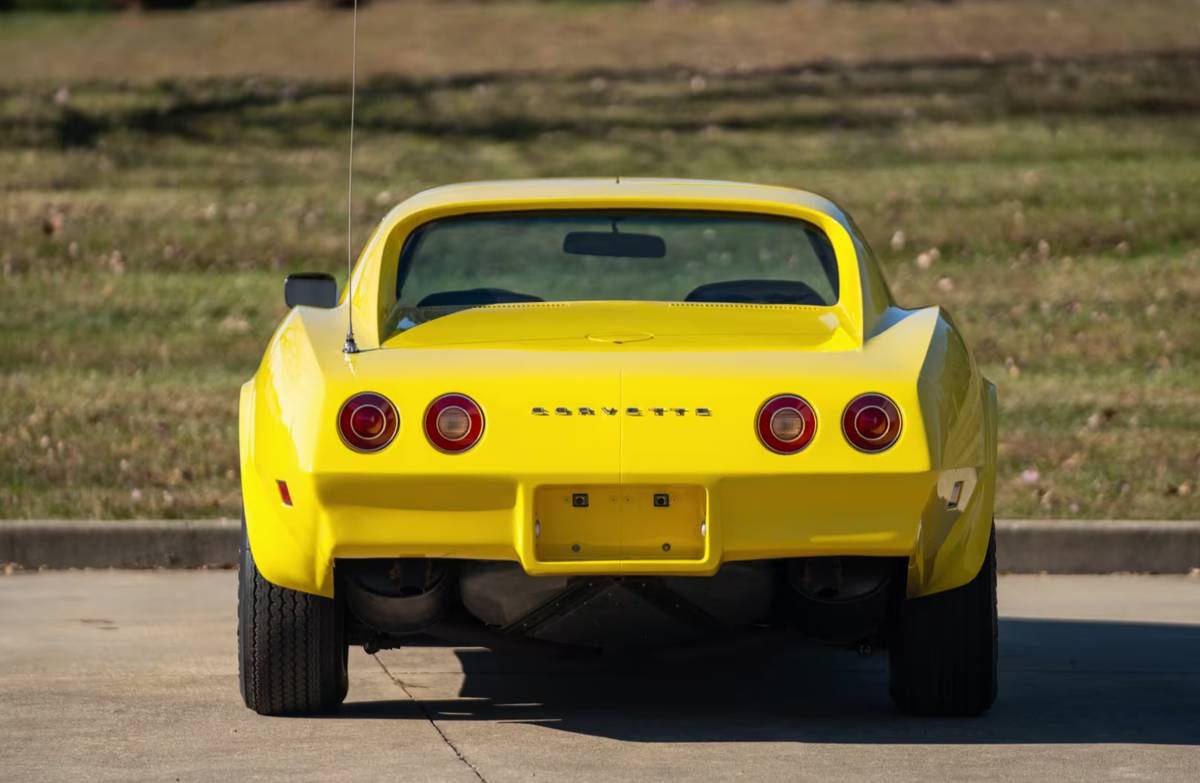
<point x="132" y="676"/>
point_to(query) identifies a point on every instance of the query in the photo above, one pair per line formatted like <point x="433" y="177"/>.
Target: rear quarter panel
<point x="958" y="406"/>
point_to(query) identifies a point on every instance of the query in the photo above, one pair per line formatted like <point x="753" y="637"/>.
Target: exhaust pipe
<point x="398" y="596"/>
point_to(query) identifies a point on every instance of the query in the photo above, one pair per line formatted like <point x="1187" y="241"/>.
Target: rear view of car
<point x="612" y="413"/>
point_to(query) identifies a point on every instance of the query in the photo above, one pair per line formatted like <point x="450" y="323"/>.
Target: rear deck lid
<point x="629" y="326"/>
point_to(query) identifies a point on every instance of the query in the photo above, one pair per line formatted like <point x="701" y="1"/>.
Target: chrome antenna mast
<point x="351" y="346"/>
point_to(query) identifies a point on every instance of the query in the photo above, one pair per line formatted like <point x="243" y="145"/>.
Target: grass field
<point x="1032" y="166"/>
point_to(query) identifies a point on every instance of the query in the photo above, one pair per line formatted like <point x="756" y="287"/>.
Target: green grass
<point x="147" y="222"/>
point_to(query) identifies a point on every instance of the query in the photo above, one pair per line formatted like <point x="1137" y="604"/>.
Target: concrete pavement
<point x="131" y="675"/>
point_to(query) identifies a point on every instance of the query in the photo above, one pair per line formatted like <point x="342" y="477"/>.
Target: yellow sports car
<point x="615" y="412"/>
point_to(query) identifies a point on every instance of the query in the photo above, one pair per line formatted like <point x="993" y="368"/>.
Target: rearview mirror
<point x="311" y="289"/>
<point x="614" y="244"/>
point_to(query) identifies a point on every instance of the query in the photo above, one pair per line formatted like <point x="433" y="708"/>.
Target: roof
<point x="618" y="188"/>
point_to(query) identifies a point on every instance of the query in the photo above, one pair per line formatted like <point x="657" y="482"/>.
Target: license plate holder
<point x="619" y="522"/>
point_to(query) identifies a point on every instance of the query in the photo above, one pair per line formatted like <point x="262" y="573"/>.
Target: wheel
<point x="943" y="647"/>
<point x="292" y="647"/>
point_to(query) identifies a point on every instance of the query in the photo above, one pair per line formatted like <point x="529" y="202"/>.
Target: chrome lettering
<point x="632" y="410"/>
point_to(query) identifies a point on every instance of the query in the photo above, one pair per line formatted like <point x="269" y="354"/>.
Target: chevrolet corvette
<point x="614" y="413"/>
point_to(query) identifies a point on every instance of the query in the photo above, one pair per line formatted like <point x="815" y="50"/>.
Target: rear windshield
<point x="475" y="260"/>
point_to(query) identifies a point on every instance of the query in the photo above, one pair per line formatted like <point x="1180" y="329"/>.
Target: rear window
<point x="475" y="260"/>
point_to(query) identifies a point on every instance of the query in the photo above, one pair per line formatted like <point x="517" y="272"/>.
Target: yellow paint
<point x="412" y="500"/>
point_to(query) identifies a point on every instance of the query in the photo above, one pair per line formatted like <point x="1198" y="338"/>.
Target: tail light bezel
<point x="854" y="435"/>
<point x="773" y="406"/>
<point x="475" y="415"/>
<point x="345" y="422"/>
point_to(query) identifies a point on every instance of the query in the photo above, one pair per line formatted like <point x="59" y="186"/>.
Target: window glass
<point x="455" y="263"/>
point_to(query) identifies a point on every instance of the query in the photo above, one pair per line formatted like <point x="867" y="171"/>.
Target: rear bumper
<point x="732" y="518"/>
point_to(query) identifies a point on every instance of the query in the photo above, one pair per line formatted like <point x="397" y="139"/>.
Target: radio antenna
<point x="351" y="346"/>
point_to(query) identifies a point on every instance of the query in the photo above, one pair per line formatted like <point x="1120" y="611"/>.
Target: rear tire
<point x="291" y="646"/>
<point x="943" y="650"/>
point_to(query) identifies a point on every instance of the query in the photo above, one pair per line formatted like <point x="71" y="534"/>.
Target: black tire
<point x="291" y="646"/>
<point x="943" y="647"/>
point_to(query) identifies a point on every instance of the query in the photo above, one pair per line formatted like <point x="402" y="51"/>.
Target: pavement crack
<point x="429" y="717"/>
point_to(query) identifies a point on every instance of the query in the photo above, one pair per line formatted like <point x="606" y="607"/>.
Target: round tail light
<point x="453" y="423"/>
<point x="871" y="423"/>
<point x="786" y="423"/>
<point x="367" y="422"/>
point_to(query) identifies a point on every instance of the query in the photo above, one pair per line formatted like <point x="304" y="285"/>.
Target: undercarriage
<point x="836" y="599"/>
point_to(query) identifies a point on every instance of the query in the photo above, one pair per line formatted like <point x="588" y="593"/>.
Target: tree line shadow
<point x="520" y="105"/>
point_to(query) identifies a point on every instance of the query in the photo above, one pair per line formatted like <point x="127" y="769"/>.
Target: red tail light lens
<point x="453" y="423"/>
<point x="871" y="423"/>
<point x="786" y="424"/>
<point x="367" y="422"/>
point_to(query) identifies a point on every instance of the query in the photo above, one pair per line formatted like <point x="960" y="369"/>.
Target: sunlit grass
<point x="1048" y="203"/>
